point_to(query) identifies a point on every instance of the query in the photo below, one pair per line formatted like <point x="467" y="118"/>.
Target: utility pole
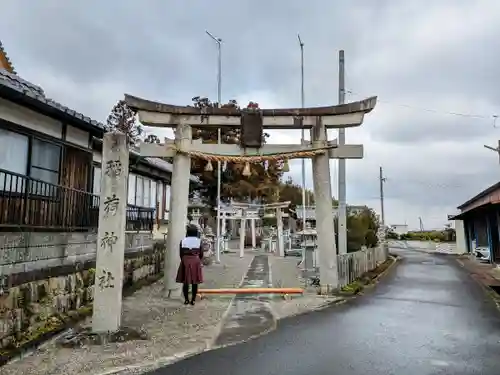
<point x="497" y="149"/>
<point x="382" y="212"/>
<point x="382" y="231"/>
<point x="342" y="229"/>
<point x="302" y="141"/>
<point x="219" y="99"/>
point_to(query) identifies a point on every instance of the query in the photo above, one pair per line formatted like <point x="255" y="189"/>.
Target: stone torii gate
<point x="242" y="213"/>
<point x="252" y="122"/>
<point x="249" y="209"/>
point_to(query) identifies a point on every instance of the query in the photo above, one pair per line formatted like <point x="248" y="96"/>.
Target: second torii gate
<point x="252" y="122"/>
<point x="278" y="206"/>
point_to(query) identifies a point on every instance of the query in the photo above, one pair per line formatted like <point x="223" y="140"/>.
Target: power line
<point x="431" y="110"/>
<point x="422" y="183"/>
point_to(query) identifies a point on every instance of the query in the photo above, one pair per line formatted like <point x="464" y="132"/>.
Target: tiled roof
<point x="14" y="82"/>
<point x="19" y="84"/>
<point x="2" y="50"/>
<point x="166" y="166"/>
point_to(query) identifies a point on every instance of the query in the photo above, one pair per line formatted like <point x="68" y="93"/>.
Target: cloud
<point x="424" y="59"/>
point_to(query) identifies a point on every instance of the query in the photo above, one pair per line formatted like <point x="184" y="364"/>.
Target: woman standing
<point x="191" y="252"/>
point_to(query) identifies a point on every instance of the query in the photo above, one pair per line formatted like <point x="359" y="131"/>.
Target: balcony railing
<point x="140" y="218"/>
<point x="27" y="203"/>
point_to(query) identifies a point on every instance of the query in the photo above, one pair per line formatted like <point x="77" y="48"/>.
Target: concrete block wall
<point x="29" y="251"/>
<point x="429" y="246"/>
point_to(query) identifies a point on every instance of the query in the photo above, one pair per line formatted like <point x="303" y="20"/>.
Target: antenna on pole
<point x="302" y="140"/>
<point x="300" y="41"/>
<point x="497" y="149"/>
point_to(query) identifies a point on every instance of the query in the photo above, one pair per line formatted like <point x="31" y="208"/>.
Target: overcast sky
<point x="424" y="60"/>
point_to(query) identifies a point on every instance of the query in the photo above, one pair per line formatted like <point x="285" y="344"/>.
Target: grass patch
<point x="368" y="278"/>
<point x="353" y="288"/>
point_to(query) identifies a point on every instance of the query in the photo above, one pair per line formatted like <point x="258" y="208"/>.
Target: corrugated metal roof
<point x="480" y="195"/>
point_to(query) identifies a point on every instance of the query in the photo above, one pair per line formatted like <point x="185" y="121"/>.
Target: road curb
<point x="395" y="260"/>
<point x="252" y="337"/>
<point x="323" y="306"/>
<point x="376" y="279"/>
<point x="152" y="365"/>
<point x="486" y="289"/>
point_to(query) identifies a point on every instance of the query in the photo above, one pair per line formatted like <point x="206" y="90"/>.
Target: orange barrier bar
<point x="252" y="291"/>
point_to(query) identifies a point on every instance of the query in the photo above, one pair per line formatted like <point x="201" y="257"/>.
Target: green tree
<point x="264" y="178"/>
<point x="362" y="230"/>
<point x="289" y="191"/>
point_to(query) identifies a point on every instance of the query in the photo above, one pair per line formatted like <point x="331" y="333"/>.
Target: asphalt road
<point x="426" y="317"/>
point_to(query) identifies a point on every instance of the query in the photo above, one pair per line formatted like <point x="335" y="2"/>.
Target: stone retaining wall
<point x="28" y="251"/>
<point x="36" y="301"/>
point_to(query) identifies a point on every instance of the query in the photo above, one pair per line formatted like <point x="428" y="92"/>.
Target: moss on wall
<point x="31" y="311"/>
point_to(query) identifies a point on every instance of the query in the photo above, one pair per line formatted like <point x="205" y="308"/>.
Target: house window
<point x="96" y="188"/>
<point x="45" y="166"/>
<point x="132" y="179"/>
<point x="167" y="198"/>
<point x="45" y="161"/>
<point x="139" y="191"/>
<point x="13" y="158"/>
<point x="161" y="205"/>
<point x="147" y="193"/>
<point x="166" y="204"/>
<point x="154" y="198"/>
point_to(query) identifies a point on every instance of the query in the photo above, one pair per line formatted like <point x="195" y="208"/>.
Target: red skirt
<point x="189" y="271"/>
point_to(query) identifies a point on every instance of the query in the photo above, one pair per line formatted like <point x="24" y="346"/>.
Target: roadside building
<point x="477" y="224"/>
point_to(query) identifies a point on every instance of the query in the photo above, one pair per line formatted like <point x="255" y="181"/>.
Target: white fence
<point x="428" y="246"/>
<point x="353" y="265"/>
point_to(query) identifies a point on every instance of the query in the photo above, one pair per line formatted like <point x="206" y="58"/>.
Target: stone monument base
<point x="80" y="337"/>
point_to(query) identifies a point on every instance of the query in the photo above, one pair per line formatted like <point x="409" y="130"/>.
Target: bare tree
<point x="123" y="119"/>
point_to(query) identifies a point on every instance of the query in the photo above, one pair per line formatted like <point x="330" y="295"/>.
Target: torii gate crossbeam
<point x="252" y="122"/>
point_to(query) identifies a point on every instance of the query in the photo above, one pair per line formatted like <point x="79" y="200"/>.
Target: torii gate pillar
<point x="325" y="227"/>
<point x="243" y="232"/>
<point x="179" y="200"/>
<point x="253" y="232"/>
<point x="279" y="226"/>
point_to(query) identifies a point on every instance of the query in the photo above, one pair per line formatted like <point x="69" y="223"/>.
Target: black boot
<point x="194" y="292"/>
<point x="185" y="292"/>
